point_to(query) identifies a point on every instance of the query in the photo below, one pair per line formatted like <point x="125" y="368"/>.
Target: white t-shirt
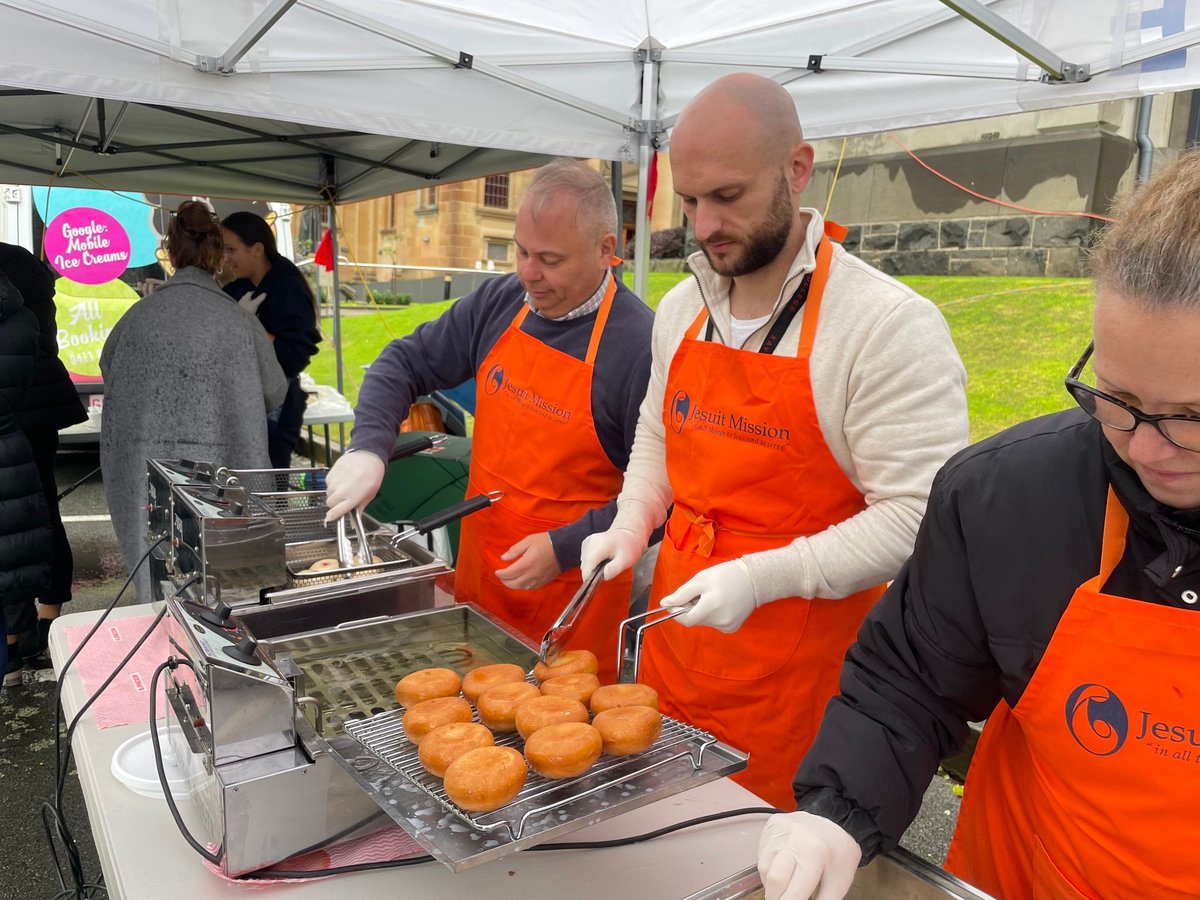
<point x="743" y="328"/>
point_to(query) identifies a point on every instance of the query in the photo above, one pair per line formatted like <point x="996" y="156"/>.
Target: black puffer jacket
<point x="1013" y="527"/>
<point x="52" y="402"/>
<point x="25" y="539"/>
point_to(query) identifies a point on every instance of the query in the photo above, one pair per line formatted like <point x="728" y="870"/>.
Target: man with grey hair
<point x="560" y="351"/>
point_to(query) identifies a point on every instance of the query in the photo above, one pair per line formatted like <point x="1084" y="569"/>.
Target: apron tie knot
<point x="701" y="532"/>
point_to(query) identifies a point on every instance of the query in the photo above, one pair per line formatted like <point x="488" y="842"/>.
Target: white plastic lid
<point x="133" y="766"/>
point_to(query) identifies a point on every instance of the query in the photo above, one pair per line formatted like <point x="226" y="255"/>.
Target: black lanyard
<point x="775" y="335"/>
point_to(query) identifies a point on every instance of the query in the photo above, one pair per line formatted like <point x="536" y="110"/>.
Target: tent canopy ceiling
<point x="255" y="97"/>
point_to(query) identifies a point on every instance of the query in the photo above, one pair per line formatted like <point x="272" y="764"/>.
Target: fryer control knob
<point x="244" y="651"/>
<point x="217" y="616"/>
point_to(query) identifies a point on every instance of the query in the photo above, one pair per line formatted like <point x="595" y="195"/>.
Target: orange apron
<point x="751" y="471"/>
<point x="1089" y="786"/>
<point x="536" y="441"/>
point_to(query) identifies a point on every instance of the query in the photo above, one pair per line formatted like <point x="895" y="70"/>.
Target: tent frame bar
<point x="225" y="63"/>
<point x="1056" y="68"/>
<point x="463" y="60"/>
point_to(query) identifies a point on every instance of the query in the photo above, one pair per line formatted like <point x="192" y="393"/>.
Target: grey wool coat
<point x="187" y="374"/>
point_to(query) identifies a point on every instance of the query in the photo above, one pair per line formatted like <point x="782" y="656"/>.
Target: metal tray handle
<point x="413" y="447"/>
<point x="663" y="616"/>
<point x="449" y="514"/>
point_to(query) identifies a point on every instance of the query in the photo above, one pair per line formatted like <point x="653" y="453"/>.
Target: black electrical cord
<point x="263" y="874"/>
<point x="668" y="829"/>
<point x="74" y="862"/>
<point x="53" y="813"/>
<point x="78" y="483"/>
<point x="173" y="663"/>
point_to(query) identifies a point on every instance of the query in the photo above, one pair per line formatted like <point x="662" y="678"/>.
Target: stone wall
<point x="1054" y="246"/>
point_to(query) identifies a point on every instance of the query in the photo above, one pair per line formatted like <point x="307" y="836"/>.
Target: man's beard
<point x="763" y="246"/>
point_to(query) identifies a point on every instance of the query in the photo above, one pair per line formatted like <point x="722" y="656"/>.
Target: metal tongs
<point x="347" y="557"/>
<point x="450" y="514"/>
<point x="564" y="625"/>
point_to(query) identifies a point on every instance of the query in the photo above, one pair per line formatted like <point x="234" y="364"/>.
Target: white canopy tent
<point x="307" y="100"/>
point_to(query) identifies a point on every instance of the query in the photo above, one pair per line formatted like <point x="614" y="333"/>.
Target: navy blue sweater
<point x="450" y="350"/>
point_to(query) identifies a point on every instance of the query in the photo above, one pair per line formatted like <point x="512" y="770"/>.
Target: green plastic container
<point x="420" y="485"/>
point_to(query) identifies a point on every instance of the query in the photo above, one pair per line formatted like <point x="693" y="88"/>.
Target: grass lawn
<point x="1017" y="338"/>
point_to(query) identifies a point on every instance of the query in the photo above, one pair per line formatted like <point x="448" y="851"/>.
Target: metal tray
<point x="352" y="670"/>
<point x="896" y="875"/>
<point x="383" y="736"/>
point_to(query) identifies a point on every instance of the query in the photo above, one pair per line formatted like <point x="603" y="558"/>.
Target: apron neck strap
<point x="820" y="275"/>
<point x="597" y="326"/>
<point x="601" y="319"/>
<point x="787" y="315"/>
<point x="1112" y="548"/>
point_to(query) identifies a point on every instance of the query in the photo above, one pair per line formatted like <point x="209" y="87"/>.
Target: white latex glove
<point x="352" y="483"/>
<point x="801" y="856"/>
<point x="620" y="545"/>
<point x="251" y="301"/>
<point x="724" y="596"/>
<point x="150" y="285"/>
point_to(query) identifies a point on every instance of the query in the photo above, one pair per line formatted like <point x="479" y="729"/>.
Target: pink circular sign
<point x="87" y="245"/>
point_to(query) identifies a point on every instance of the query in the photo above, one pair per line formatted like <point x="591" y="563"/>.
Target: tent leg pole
<point x="337" y="316"/>
<point x="619" y="201"/>
<point x="646" y="151"/>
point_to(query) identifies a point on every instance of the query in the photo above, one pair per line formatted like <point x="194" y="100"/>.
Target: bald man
<point x="799" y="405"/>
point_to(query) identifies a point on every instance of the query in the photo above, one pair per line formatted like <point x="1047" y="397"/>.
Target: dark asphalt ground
<point x="27" y="869"/>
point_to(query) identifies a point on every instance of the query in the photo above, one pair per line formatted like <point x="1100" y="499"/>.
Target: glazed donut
<point x="498" y="705"/>
<point x="579" y="686"/>
<point x="535" y="714"/>
<point x="324" y="565"/>
<point x="479" y="680"/>
<point x="628" y="729"/>
<point x="427" y="715"/>
<point x="564" y="750"/>
<point x="569" y="662"/>
<point x="486" y="778"/>
<point x="447" y="743"/>
<point x="610" y="696"/>
<point x="425" y="684"/>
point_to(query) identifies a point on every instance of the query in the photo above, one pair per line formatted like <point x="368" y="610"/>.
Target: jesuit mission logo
<point x="496" y="381"/>
<point x="1099" y="722"/>
<point x="1097" y="719"/>
<point x="684" y="412"/>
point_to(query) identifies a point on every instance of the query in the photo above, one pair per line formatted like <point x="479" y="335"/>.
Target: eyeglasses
<point x="1182" y="431"/>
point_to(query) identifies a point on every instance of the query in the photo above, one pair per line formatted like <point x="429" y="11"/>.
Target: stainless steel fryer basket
<point x="381" y="544"/>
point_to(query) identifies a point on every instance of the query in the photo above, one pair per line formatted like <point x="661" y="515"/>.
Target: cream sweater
<point x="889" y="391"/>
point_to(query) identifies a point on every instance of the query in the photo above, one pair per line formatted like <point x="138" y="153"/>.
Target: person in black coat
<point x="51" y="404"/>
<point x="272" y="288"/>
<point x="26" y="545"/>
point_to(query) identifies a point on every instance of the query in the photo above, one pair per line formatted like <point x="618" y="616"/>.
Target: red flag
<point x="651" y="185"/>
<point x="324" y="254"/>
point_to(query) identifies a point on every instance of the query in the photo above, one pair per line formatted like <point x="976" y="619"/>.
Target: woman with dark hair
<point x="270" y="286"/>
<point x="187" y="374"/>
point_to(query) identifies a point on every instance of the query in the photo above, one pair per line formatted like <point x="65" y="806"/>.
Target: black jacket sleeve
<point x="1011" y="530"/>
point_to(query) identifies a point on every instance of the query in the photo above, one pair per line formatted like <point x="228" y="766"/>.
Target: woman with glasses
<point x="1053" y="591"/>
